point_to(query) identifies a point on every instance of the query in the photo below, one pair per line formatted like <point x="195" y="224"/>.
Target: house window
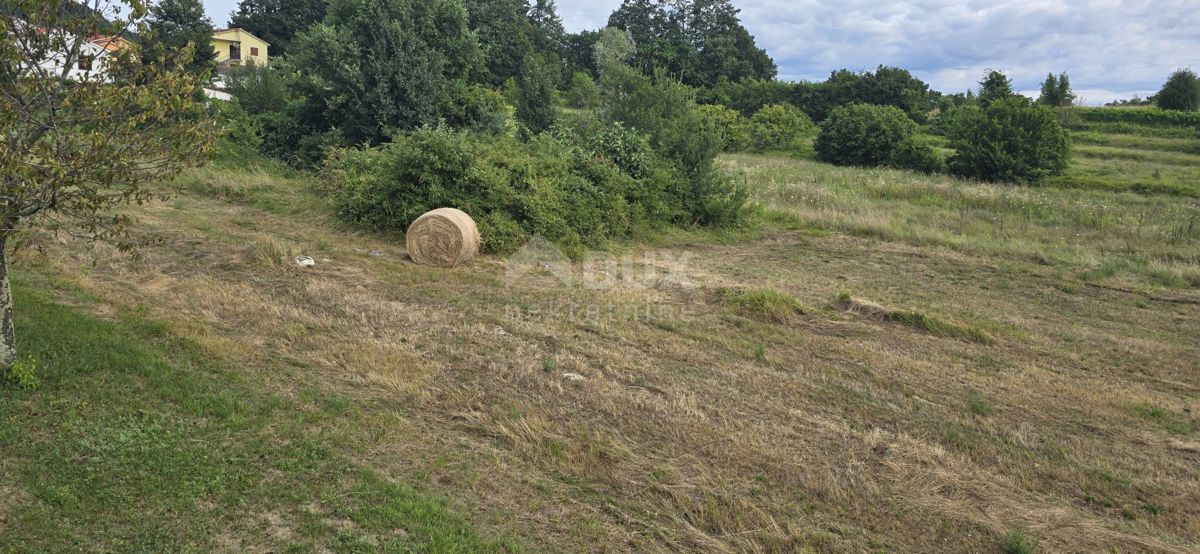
<point x="85" y="62"/>
<point x="253" y="51"/>
<point x="235" y="51"/>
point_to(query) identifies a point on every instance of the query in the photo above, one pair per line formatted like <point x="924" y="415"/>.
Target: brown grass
<point x="854" y="438"/>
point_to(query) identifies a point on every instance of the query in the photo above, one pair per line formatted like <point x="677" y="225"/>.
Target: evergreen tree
<point x="506" y="36"/>
<point x="277" y="21"/>
<point x="375" y="67"/>
<point x="1056" y="91"/>
<point x="536" y="82"/>
<point x="994" y="86"/>
<point x="549" y="33"/>
<point x="1181" y="92"/>
<point x="174" y="24"/>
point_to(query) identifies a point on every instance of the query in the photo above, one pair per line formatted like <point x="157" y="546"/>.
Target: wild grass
<point x="765" y="304"/>
<point x="1144" y="238"/>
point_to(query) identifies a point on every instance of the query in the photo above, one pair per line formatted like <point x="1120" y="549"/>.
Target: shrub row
<point x="575" y="187"/>
<point x="1140" y="116"/>
<point x="776" y="127"/>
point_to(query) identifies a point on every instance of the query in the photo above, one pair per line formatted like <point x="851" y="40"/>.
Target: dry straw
<point x="444" y="237"/>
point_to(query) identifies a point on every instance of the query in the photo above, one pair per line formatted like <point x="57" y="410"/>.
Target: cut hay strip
<point x="444" y="237"/>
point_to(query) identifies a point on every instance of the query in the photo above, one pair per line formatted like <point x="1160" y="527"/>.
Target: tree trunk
<point x="8" y="338"/>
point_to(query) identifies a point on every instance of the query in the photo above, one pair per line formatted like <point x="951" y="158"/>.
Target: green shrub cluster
<point x="779" y="127"/>
<point x="1139" y="116"/>
<point x="733" y="126"/>
<point x="874" y="136"/>
<point x="582" y="93"/>
<point x="1012" y="139"/>
<point x="665" y="111"/>
<point x="574" y="187"/>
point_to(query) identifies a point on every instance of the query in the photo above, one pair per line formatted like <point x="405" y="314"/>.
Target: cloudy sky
<point x="1110" y="48"/>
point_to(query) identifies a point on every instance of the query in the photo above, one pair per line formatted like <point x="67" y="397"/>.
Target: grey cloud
<point x="1110" y="48"/>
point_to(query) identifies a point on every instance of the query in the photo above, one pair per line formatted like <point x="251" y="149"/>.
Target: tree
<point x="278" y="21"/>
<point x="535" y="92"/>
<point x="886" y="86"/>
<point x="994" y="86"/>
<point x="1056" y="91"/>
<point x="549" y="33"/>
<point x="506" y="37"/>
<point x="377" y="67"/>
<point x="724" y="48"/>
<point x="696" y="41"/>
<point x="1181" y="92"/>
<point x="176" y="24"/>
<point x="583" y="93"/>
<point x="1011" y="139"/>
<point x="579" y="52"/>
<point x="73" y="147"/>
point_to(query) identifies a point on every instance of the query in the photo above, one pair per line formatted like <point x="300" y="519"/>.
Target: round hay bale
<point x="444" y="237"/>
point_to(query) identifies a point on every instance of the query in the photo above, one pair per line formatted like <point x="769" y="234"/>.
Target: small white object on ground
<point x="573" y="376"/>
<point x="305" y="261"/>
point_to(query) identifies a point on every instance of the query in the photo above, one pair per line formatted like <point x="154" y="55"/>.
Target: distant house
<point x="237" y="47"/>
<point x="86" y="62"/>
<point x="111" y="44"/>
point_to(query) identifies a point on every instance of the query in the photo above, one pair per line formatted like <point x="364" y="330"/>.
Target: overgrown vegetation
<point x="1009" y="140"/>
<point x="874" y="136"/>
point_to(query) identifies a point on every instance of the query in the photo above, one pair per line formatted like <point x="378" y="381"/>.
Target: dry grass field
<point x="884" y="363"/>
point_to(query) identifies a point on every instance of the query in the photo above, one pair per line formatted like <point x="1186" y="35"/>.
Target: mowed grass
<point x="136" y="440"/>
<point x="880" y="362"/>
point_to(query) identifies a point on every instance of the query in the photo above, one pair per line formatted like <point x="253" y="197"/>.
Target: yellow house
<point x="237" y="47"/>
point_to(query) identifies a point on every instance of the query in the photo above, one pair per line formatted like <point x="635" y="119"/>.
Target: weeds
<point x="1018" y="542"/>
<point x="978" y="405"/>
<point x="916" y="320"/>
<point x="765" y="304"/>
<point x="23" y="375"/>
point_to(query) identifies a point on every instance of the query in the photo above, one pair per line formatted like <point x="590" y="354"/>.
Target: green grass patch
<point x="136" y="440"/>
<point x="1020" y="542"/>
<point x="1165" y="419"/>
<point x="978" y="405"/>
<point x="765" y="304"/>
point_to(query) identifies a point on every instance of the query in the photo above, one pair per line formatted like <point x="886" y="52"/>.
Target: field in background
<point x="883" y="362"/>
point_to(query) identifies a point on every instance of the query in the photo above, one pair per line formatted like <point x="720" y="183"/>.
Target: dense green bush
<point x="1181" y="92"/>
<point x="241" y="139"/>
<point x="569" y="193"/>
<point x="779" y="127"/>
<point x="1012" y="139"/>
<point x="583" y="93"/>
<point x="874" y="136"/>
<point x="733" y="126"/>
<point x="665" y="110"/>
